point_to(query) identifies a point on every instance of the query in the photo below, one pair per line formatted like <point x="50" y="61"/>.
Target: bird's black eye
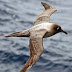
<point x="57" y="28"/>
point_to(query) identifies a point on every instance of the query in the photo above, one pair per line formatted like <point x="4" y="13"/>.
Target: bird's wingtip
<point x="46" y="6"/>
<point x="7" y="36"/>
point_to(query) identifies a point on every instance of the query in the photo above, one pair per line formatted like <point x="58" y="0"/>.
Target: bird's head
<point x="56" y="29"/>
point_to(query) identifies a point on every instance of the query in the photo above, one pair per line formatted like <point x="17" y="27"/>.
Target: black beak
<point x="64" y="31"/>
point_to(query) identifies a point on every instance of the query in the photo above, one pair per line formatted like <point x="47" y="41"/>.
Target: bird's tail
<point x="19" y="34"/>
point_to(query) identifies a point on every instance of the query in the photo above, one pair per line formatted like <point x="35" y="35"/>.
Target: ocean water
<point x="18" y="15"/>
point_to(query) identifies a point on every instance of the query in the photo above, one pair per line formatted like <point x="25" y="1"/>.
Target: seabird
<point x="41" y="29"/>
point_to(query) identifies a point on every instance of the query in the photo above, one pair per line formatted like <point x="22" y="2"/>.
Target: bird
<point x="40" y="29"/>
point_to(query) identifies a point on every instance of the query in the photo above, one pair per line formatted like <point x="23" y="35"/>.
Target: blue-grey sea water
<point x="18" y="15"/>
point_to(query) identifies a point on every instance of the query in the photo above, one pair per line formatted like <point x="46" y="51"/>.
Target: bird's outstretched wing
<point x="24" y="33"/>
<point x="44" y="16"/>
<point x="36" y="50"/>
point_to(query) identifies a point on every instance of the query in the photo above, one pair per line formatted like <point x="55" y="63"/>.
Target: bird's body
<point x="40" y="29"/>
<point x="37" y="29"/>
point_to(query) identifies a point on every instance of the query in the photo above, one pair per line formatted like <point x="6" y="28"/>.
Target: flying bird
<point x="41" y="29"/>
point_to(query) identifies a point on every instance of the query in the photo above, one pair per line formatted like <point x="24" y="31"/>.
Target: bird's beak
<point x="64" y="31"/>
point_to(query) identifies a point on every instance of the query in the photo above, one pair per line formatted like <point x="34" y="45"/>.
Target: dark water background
<point x="17" y="15"/>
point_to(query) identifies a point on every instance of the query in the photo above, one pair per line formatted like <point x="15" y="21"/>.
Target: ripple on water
<point x="17" y="15"/>
<point x="7" y="58"/>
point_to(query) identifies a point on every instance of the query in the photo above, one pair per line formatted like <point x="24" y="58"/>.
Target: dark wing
<point x="36" y="50"/>
<point x="44" y="16"/>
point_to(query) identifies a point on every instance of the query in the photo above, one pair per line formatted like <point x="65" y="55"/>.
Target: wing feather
<point x="24" y="33"/>
<point x="45" y="15"/>
<point x="36" y="50"/>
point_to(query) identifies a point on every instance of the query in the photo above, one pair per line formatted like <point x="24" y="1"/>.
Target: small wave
<point x="7" y="58"/>
<point x="52" y="54"/>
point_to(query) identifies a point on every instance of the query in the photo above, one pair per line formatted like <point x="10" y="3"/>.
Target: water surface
<point x="17" y="15"/>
